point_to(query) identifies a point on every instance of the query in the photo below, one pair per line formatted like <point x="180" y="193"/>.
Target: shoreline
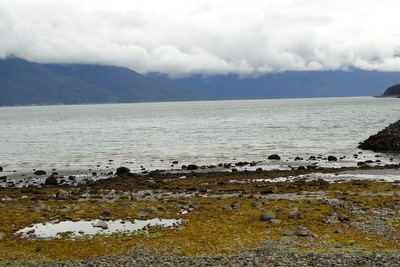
<point x="85" y="174"/>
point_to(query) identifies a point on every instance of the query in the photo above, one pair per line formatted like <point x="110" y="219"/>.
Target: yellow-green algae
<point x="210" y="229"/>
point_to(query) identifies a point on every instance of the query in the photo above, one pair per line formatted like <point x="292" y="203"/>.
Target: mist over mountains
<point x="28" y="83"/>
<point x="295" y="84"/>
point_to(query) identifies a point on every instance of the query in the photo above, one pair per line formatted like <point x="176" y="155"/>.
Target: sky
<point x="205" y="37"/>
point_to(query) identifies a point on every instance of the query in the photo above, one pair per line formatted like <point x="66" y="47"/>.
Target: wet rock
<point x="274" y="157"/>
<point x="39" y="172"/>
<point x="1" y="169"/>
<point x="332" y="158"/>
<point x="175" y="162"/>
<point x="51" y="180"/>
<point x="192" y="167"/>
<point x="62" y="195"/>
<point x="122" y="170"/>
<point x="267" y="216"/>
<point x="101" y="224"/>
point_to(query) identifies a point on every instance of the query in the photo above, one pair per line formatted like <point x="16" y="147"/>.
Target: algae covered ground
<point x="217" y="213"/>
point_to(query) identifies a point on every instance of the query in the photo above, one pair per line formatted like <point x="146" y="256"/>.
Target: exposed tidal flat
<point x="305" y="198"/>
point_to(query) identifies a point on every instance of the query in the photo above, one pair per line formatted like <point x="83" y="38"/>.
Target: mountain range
<point x="28" y="83"/>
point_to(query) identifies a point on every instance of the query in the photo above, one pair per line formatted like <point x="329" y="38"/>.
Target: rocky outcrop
<point x="386" y="140"/>
<point x="393" y="90"/>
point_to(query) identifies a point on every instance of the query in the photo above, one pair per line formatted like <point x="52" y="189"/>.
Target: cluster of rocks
<point x="387" y="140"/>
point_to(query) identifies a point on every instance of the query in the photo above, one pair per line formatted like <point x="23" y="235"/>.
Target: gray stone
<point x="275" y="221"/>
<point x="142" y="213"/>
<point x="101" y="224"/>
<point x="267" y="216"/>
<point x="62" y="195"/>
<point x="2" y="236"/>
<point x="302" y="233"/>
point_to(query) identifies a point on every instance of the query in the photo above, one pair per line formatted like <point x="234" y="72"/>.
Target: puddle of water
<point x="80" y="228"/>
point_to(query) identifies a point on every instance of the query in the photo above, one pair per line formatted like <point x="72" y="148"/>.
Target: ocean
<point x="152" y="135"/>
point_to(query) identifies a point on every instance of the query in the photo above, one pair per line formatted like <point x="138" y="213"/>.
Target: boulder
<point x="332" y="158"/>
<point x="274" y="157"/>
<point x="39" y="172"/>
<point x="386" y="140"/>
<point x="192" y="167"/>
<point x="1" y="169"/>
<point x="51" y="180"/>
<point x="62" y="195"/>
<point x="122" y="170"/>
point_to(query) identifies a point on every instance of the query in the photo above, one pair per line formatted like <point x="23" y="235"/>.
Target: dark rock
<point x="94" y="173"/>
<point x="51" y="180"/>
<point x="122" y="170"/>
<point x="234" y="170"/>
<point x="39" y="172"/>
<point x="106" y="213"/>
<point x="386" y="140"/>
<point x="192" y="167"/>
<point x="259" y="170"/>
<point x="1" y="169"/>
<point x="3" y="178"/>
<point x="274" y="157"/>
<point x="332" y="158"/>
<point x="301" y="168"/>
<point x="175" y="162"/>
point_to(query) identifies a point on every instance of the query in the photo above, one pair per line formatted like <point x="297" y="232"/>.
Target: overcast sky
<point x="183" y="37"/>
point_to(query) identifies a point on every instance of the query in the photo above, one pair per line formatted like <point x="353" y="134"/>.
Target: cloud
<point x="205" y="37"/>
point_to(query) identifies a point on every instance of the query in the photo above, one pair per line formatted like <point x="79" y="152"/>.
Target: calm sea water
<point x="154" y="134"/>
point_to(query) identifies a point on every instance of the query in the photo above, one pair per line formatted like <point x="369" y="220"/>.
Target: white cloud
<point x="209" y="37"/>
